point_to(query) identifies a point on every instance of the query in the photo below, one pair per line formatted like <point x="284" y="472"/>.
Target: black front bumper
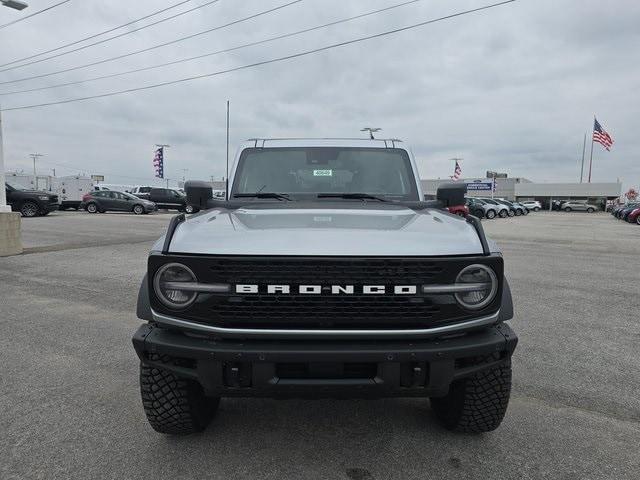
<point x="324" y="368"/>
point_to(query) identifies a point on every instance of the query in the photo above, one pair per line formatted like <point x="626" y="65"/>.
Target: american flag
<point x="457" y="172"/>
<point x="601" y="136"/>
<point x="158" y="162"/>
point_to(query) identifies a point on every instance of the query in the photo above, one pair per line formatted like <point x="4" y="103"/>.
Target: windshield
<point x="305" y="172"/>
<point x="16" y="186"/>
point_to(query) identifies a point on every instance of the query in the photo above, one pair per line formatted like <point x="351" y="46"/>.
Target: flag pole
<point x="584" y="147"/>
<point x="591" y="156"/>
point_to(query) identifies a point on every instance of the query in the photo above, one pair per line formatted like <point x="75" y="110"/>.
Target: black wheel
<point x="567" y="209"/>
<point x="638" y="219"/>
<point x="29" y="209"/>
<point x="478" y="403"/>
<point x="511" y="213"/>
<point x="518" y="213"/>
<point x="189" y="209"/>
<point x="174" y="405"/>
<point x="536" y="209"/>
<point x="92" y="207"/>
<point x="503" y="213"/>
<point x="138" y="209"/>
<point x="525" y="211"/>
<point x="590" y="210"/>
<point x="491" y="214"/>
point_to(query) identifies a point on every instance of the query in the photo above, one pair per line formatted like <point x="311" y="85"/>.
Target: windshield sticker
<point x="323" y="173"/>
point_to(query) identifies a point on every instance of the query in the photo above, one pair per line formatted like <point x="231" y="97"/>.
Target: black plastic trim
<point x="173" y="224"/>
<point x="475" y="221"/>
<point x="143" y="307"/>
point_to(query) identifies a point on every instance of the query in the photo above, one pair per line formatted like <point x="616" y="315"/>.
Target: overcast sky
<point x="512" y="89"/>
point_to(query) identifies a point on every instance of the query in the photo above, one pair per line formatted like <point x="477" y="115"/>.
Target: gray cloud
<point x="512" y="89"/>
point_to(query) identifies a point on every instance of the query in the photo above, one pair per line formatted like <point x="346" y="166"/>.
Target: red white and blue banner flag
<point x="158" y="162"/>
<point x="457" y="172"/>
<point x="601" y="136"/>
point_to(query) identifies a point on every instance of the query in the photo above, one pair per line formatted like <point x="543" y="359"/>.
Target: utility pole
<point x="584" y="147"/>
<point x="591" y="156"/>
<point x="184" y="172"/>
<point x="226" y="186"/>
<point x="35" y="156"/>
<point x="3" y="198"/>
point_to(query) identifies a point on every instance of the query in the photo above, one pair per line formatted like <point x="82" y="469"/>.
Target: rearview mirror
<point x="198" y="193"/>
<point x="451" y="194"/>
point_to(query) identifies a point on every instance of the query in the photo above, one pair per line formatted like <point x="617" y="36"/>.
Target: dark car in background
<point x="476" y="207"/>
<point x="169" y="199"/>
<point x="30" y="203"/>
<point x="110" y="200"/>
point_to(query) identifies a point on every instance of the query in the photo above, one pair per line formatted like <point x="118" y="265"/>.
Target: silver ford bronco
<point x="323" y="273"/>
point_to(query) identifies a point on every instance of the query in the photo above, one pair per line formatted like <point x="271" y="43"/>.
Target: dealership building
<point x="518" y="188"/>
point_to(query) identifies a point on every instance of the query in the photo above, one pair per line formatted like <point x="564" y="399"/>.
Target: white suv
<point x="532" y="205"/>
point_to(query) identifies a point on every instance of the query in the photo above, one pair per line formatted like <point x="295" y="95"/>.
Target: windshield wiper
<point x="356" y="196"/>
<point x="279" y="196"/>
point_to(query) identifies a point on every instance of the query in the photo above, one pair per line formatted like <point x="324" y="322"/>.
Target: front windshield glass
<point x="305" y="172"/>
<point x="16" y="186"/>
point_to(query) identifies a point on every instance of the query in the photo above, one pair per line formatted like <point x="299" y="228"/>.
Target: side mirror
<point x="198" y="193"/>
<point x="452" y="194"/>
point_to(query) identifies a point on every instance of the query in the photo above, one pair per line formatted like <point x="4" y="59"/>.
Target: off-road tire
<point x="174" y="405"/>
<point x="29" y="209"/>
<point x="138" y="209"/>
<point x="92" y="208"/>
<point x="478" y="403"/>
<point x="491" y="214"/>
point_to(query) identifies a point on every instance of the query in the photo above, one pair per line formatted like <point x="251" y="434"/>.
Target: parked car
<point x="141" y="191"/>
<point x="476" y="207"/>
<point x="109" y="200"/>
<point x="578" y="206"/>
<point x="532" y="205"/>
<point x="523" y="209"/>
<point x="514" y="209"/>
<point x="634" y="216"/>
<point x="623" y="213"/>
<point x="500" y="210"/>
<point x="30" y="203"/>
<point x="170" y="199"/>
<point x="460" y="210"/>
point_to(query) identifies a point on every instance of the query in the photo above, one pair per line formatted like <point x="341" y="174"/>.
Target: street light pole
<point x="3" y="194"/>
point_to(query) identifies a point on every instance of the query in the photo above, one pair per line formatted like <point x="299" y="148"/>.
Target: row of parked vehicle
<point x="495" y="207"/>
<point x="33" y="203"/>
<point x="629" y="212"/>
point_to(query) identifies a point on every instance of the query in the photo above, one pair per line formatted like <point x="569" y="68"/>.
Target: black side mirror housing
<point x="452" y="194"/>
<point x="198" y="193"/>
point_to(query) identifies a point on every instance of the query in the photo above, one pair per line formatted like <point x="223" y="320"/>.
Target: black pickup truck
<point x="30" y="203"/>
<point x="168" y="199"/>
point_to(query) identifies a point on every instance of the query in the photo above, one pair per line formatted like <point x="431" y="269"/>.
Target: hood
<point x="371" y="230"/>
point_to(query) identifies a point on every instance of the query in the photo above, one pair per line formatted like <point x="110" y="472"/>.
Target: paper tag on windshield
<point x="323" y="173"/>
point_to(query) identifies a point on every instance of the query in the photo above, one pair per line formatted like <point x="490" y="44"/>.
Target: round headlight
<point x="164" y="284"/>
<point x="482" y="286"/>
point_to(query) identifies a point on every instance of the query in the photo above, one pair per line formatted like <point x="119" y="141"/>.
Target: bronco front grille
<point x="326" y="310"/>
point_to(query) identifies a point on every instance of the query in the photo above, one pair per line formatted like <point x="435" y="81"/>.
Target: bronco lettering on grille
<point x="328" y="289"/>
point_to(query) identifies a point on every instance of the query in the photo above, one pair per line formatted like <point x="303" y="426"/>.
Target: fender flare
<point x="506" y="306"/>
<point x="143" y="308"/>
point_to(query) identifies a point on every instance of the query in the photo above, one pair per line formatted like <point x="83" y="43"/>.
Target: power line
<point x="34" y="14"/>
<point x="170" y="7"/>
<point x="266" y="62"/>
<point x="219" y="27"/>
<point x="104" y="40"/>
<point x="226" y="50"/>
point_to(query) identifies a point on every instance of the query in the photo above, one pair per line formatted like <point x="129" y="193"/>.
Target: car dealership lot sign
<point x="479" y="186"/>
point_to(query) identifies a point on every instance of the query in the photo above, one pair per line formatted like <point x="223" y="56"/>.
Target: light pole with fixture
<point x="10" y="242"/>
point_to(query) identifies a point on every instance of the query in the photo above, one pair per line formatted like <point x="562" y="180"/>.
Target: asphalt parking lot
<point x="70" y="406"/>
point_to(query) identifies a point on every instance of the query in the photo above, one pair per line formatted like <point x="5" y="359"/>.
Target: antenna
<point x="371" y="131"/>
<point x="227" y="184"/>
